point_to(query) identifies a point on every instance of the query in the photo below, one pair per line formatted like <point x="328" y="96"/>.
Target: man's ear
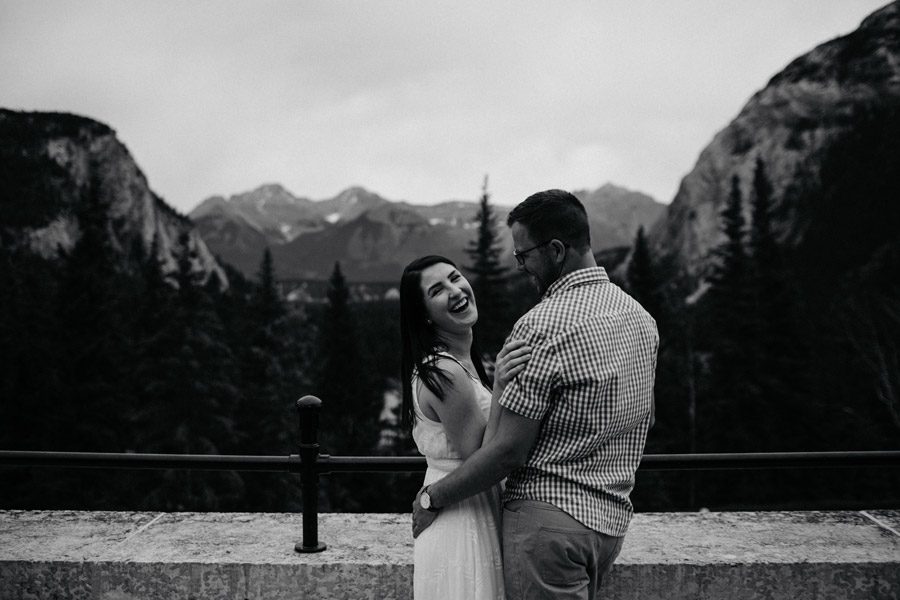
<point x="560" y="249"/>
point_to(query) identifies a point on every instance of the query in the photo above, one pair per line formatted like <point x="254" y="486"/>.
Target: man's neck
<point x="577" y="261"/>
<point x="574" y="262"/>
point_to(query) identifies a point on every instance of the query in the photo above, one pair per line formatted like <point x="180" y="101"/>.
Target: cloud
<point x="415" y="100"/>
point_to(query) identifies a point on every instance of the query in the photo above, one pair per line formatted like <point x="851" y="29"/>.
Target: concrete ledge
<point x="126" y="555"/>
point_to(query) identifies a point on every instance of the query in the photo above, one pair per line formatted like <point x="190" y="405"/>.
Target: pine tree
<point x="155" y="294"/>
<point x="642" y="282"/>
<point x="92" y="354"/>
<point x="267" y="299"/>
<point x="93" y="334"/>
<point x="30" y="386"/>
<point x="763" y="269"/>
<point x="350" y="397"/>
<point x="775" y="341"/>
<point x="274" y="373"/>
<point x="762" y="243"/>
<point x="725" y="413"/>
<point x="261" y="366"/>
<point x="848" y="200"/>
<point x="727" y="300"/>
<point x="189" y="396"/>
<point x="489" y="279"/>
<point x="730" y="263"/>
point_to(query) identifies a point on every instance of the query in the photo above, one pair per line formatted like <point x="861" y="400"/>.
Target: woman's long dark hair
<point x="420" y="340"/>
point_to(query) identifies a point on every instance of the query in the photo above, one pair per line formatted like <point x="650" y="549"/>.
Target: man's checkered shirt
<point x="590" y="383"/>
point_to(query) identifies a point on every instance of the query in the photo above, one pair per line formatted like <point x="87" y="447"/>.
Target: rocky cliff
<point x="791" y="124"/>
<point x="52" y="161"/>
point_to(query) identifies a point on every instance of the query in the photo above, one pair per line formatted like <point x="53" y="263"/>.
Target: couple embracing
<point x="527" y="489"/>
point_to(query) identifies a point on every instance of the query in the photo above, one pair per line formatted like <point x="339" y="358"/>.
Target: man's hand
<point x="512" y="358"/>
<point x="421" y="518"/>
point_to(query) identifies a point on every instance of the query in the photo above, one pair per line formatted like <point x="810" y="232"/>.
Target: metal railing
<point x="310" y="463"/>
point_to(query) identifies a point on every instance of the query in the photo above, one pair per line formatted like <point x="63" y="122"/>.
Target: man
<point x="572" y="426"/>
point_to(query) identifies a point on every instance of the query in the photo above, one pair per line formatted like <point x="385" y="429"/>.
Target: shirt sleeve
<point x="530" y="394"/>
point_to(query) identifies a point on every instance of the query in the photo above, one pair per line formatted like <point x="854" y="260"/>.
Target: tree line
<point x="785" y="348"/>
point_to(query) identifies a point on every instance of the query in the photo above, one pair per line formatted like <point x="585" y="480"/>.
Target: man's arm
<point x="507" y="450"/>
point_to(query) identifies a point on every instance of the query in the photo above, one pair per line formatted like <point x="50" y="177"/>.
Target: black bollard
<point x="308" y="408"/>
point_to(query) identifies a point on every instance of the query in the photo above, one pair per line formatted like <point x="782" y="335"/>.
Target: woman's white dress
<point x="459" y="556"/>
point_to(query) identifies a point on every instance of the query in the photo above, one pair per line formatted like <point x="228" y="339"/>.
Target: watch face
<point x="425" y="500"/>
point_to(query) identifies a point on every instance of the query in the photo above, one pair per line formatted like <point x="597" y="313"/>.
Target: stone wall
<point x="127" y="555"/>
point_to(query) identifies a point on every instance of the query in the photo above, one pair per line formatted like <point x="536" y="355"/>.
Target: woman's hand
<point x="512" y="359"/>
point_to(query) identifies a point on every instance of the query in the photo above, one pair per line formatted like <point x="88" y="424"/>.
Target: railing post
<point x="308" y="408"/>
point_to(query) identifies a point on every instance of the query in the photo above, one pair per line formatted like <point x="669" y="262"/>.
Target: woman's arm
<point x="458" y="410"/>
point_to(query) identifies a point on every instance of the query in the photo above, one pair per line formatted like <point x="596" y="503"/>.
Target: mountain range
<point x="828" y="121"/>
<point x="374" y="238"/>
<point x="52" y="162"/>
<point x="795" y="125"/>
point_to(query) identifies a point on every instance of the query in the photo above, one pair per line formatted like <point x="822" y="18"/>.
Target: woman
<point x="448" y="398"/>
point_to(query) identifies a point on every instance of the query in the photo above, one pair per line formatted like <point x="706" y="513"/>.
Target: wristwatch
<point x="425" y="500"/>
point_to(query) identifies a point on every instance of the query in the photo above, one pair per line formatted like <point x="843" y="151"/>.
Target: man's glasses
<point x="520" y="255"/>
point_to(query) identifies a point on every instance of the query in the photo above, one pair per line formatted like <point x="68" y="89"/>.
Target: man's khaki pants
<point x="548" y="554"/>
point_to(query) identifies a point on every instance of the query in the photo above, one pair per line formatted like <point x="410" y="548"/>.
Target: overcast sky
<point x="413" y="100"/>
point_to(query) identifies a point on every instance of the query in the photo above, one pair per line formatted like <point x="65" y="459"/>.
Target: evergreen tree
<point x="673" y="429"/>
<point x="261" y="368"/>
<point x="155" y="295"/>
<point x="724" y="415"/>
<point x="762" y="243"/>
<point x="775" y="341"/>
<point x="93" y="334"/>
<point x="274" y="367"/>
<point x="350" y="397"/>
<point x="84" y="399"/>
<point x="727" y="299"/>
<point x="267" y="299"/>
<point x="30" y="386"/>
<point x="489" y="279"/>
<point x="763" y="270"/>
<point x="845" y="272"/>
<point x="189" y="396"/>
<point x="642" y="282"/>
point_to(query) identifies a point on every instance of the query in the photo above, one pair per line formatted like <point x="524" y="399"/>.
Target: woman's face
<point x="449" y="301"/>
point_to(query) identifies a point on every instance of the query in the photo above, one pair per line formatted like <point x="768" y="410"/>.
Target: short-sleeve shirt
<point x="590" y="383"/>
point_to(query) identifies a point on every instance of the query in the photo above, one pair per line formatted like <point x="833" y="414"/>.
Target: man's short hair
<point x="553" y="214"/>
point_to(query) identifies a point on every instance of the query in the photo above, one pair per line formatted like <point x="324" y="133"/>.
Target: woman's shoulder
<point x="457" y="375"/>
<point x="448" y="362"/>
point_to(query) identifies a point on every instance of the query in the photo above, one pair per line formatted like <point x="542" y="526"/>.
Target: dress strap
<point x="454" y="359"/>
<point x="417" y="408"/>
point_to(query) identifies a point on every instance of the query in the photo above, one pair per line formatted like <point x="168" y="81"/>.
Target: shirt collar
<point x="577" y="278"/>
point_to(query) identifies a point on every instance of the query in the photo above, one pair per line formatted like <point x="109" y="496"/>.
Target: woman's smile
<point x="460" y="305"/>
